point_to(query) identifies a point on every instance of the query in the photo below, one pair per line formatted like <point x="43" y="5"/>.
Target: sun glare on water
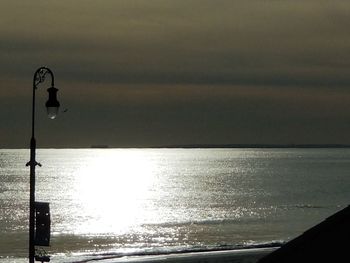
<point x="112" y="190"/>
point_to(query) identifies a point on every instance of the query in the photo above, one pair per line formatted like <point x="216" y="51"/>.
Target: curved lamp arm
<point x="52" y="104"/>
<point x="39" y="76"/>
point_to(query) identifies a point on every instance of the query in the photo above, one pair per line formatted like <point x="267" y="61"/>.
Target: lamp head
<point x="52" y="103"/>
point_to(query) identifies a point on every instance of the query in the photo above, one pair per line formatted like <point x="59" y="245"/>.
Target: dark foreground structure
<point x="328" y="242"/>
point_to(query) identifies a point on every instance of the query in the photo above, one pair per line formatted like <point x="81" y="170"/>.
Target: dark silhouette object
<point x="52" y="109"/>
<point x="41" y="256"/>
<point x="328" y="242"/>
<point x="42" y="224"/>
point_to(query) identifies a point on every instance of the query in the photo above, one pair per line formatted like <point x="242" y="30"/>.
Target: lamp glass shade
<point x="52" y="103"/>
<point x="52" y="112"/>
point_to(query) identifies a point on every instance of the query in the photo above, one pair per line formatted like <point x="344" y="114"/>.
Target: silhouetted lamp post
<point x="37" y="209"/>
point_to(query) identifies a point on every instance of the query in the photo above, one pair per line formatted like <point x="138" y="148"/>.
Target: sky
<point x="152" y="73"/>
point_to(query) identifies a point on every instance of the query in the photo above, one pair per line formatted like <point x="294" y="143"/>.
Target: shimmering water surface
<point x="130" y="201"/>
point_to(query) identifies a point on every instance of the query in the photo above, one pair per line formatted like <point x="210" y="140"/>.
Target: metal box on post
<point x="42" y="224"/>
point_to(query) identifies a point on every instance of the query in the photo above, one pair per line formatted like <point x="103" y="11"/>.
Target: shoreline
<point x="246" y="255"/>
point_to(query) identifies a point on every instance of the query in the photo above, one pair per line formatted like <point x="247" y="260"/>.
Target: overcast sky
<point x="160" y="72"/>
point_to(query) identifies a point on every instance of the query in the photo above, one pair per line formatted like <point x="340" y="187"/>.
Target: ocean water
<point x="114" y="202"/>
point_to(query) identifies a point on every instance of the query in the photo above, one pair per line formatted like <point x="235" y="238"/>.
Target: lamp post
<point x="52" y="106"/>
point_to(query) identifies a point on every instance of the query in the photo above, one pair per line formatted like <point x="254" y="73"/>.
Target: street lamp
<point x="52" y="106"/>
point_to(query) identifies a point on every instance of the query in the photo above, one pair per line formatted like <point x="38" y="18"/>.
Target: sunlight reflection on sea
<point x="157" y="200"/>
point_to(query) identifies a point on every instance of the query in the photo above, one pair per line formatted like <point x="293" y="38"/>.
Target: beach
<point x="227" y="256"/>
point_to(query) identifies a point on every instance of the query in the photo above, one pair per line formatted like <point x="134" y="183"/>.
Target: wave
<point x="176" y="250"/>
<point x="212" y="221"/>
<point x="310" y="206"/>
<point x="191" y="222"/>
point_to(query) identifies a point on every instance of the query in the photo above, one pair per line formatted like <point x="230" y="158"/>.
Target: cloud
<point x="234" y="42"/>
<point x="234" y="70"/>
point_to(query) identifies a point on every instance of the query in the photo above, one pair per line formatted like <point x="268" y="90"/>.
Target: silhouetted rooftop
<point x="328" y="242"/>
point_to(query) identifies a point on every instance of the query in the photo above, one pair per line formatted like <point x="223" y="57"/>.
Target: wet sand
<point x="232" y="256"/>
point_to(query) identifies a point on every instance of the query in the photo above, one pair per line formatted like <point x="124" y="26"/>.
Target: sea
<point x="107" y="203"/>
